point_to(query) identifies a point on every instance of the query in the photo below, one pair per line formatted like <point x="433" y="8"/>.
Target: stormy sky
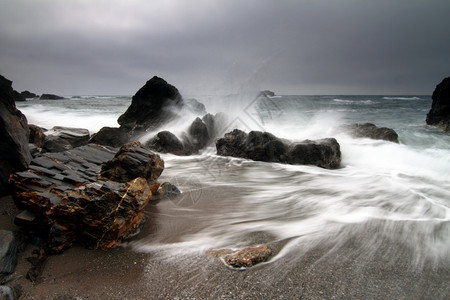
<point x="225" y="46"/>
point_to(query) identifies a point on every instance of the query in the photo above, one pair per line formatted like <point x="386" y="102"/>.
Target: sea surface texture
<point x="383" y="194"/>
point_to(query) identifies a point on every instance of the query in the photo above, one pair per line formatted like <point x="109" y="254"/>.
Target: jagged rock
<point x="371" y="131"/>
<point x="14" y="151"/>
<point x="8" y="251"/>
<point x="70" y="202"/>
<point x="153" y="105"/>
<point x="50" y="97"/>
<point x="132" y="161"/>
<point x="264" y="146"/>
<point x="37" y="136"/>
<point x="439" y="114"/>
<point x="110" y="136"/>
<point x="198" y="135"/>
<point x="243" y="258"/>
<point x="166" y="142"/>
<point x="37" y="264"/>
<point x="28" y="95"/>
<point x="60" y="138"/>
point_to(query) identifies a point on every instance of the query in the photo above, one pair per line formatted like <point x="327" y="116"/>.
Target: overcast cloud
<point x="222" y="46"/>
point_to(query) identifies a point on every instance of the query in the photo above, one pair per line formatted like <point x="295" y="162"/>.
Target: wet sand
<point x="322" y="271"/>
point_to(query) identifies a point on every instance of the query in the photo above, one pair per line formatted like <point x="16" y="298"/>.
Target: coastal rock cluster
<point x="93" y="195"/>
<point x="439" y="114"/>
<point x="263" y="146"/>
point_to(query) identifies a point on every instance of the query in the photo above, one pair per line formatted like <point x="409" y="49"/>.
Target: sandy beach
<point x="323" y="271"/>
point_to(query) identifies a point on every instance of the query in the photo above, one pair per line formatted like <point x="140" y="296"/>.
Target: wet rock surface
<point x="14" y="134"/>
<point x="371" y="131"/>
<point x="50" y="97"/>
<point x="67" y="201"/>
<point x="110" y="136"/>
<point x="243" y="258"/>
<point x="264" y="146"/>
<point x="439" y="114"/>
<point x="61" y="138"/>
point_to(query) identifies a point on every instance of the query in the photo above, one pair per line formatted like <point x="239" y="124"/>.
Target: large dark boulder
<point x="166" y="142"/>
<point x="371" y="131"/>
<point x="110" y="136"/>
<point x="439" y="114"/>
<point x="153" y="105"/>
<point x="14" y="151"/>
<point x="50" y="97"/>
<point x="60" y="138"/>
<point x="264" y="146"/>
<point x="67" y="199"/>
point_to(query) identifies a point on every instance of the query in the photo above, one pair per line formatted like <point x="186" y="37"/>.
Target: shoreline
<point x="322" y="271"/>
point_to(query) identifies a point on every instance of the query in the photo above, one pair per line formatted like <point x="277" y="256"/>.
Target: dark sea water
<point x="383" y="191"/>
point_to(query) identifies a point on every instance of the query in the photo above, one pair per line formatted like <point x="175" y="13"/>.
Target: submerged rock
<point x="371" y="131"/>
<point x="243" y="258"/>
<point x="14" y="135"/>
<point x="70" y="202"/>
<point x="153" y="105"/>
<point x="439" y="114"/>
<point x="264" y="146"/>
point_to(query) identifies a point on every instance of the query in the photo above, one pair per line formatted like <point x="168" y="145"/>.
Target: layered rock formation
<point x="90" y="195"/>
<point x="439" y="114"/>
<point x="14" y="151"/>
<point x="264" y="146"/>
<point x="371" y="131"/>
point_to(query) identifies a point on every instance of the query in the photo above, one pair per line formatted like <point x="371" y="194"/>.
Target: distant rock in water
<point x="153" y="105"/>
<point x="266" y="93"/>
<point x="50" y="97"/>
<point x="28" y="95"/>
<point x="14" y="132"/>
<point x="89" y="195"/>
<point x="439" y="114"/>
<point x="371" y="131"/>
<point x="264" y="146"/>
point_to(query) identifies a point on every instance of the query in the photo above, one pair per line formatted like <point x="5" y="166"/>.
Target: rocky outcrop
<point x="371" y="131"/>
<point x="439" y="114"/>
<point x="50" y="97"/>
<point x="28" y="95"/>
<point x="153" y="105"/>
<point x="14" y="151"/>
<point x="266" y="93"/>
<point x="110" y="136"/>
<point x="264" y="146"/>
<point x="37" y="135"/>
<point x="70" y="197"/>
<point x="243" y="258"/>
<point x="60" y="138"/>
<point x="200" y="134"/>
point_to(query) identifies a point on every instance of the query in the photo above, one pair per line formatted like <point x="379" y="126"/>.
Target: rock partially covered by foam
<point x="371" y="131"/>
<point x="153" y="105"/>
<point x="439" y="114"/>
<point x="264" y="146"/>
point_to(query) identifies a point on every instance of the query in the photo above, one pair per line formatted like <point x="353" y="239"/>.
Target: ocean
<point x="383" y="194"/>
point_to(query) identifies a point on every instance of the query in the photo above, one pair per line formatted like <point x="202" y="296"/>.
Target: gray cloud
<point x="320" y="47"/>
